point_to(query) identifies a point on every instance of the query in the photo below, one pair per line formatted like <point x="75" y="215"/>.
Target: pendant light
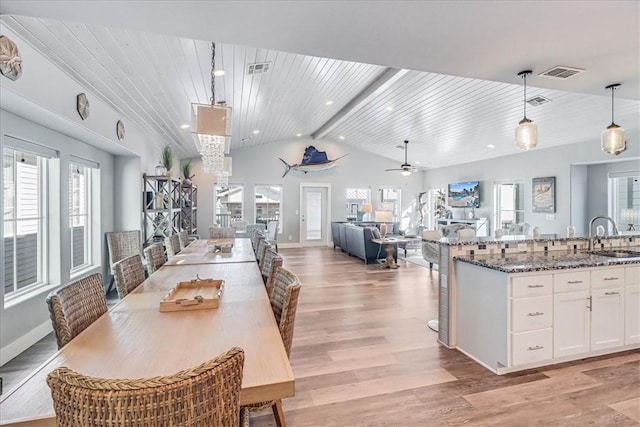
<point x="613" y="136"/>
<point x="527" y="131"/>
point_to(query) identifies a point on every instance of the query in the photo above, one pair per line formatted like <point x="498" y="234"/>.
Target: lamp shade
<point x="211" y="119"/>
<point x="384" y="216"/>
<point x="366" y="208"/>
<point x="526" y="135"/>
<point x="613" y="141"/>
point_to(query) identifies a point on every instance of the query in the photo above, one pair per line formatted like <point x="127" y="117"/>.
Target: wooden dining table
<point x="135" y="340"/>
<point x="198" y="252"/>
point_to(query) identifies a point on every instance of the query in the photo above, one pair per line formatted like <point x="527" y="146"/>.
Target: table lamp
<point x="366" y="211"/>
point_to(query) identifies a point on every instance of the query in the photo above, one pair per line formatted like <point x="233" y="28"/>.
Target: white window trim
<point x="255" y="205"/>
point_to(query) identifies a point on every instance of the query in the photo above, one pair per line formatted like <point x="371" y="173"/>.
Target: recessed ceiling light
<point x="184" y="126"/>
<point x="417" y="163"/>
<point x="255" y="132"/>
<point x="341" y="137"/>
<point x="389" y="108"/>
<point x="491" y="146"/>
<point x="298" y="134"/>
<point x="218" y="73"/>
<point x="328" y="103"/>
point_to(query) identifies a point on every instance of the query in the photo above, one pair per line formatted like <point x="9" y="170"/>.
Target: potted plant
<point x="167" y="159"/>
<point x="186" y="173"/>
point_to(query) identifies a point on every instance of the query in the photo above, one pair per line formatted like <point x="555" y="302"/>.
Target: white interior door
<point x="314" y="215"/>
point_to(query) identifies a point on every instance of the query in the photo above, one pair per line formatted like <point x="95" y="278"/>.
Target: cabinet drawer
<point x="528" y="314"/>
<point x="531" y="286"/>
<point x="632" y="275"/>
<point x="571" y="282"/>
<point x="607" y="278"/>
<point x="533" y="346"/>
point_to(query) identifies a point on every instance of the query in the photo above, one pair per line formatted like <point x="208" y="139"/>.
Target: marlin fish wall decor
<point x="312" y="161"/>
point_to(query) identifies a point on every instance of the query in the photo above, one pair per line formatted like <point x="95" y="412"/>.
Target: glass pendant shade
<point x="526" y="135"/>
<point x="613" y="141"/>
<point x="405" y="173"/>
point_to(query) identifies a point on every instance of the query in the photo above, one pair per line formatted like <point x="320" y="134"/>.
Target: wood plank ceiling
<point x="153" y="78"/>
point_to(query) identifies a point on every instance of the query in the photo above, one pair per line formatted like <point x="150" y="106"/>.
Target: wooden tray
<point x="196" y="294"/>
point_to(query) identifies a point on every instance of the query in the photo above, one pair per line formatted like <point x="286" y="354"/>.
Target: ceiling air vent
<point x="561" y="72"/>
<point x="258" y="68"/>
<point x="538" y="100"/>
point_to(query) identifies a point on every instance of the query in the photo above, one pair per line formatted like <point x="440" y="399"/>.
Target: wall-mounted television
<point x="464" y="195"/>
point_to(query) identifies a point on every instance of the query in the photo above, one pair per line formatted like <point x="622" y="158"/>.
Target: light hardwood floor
<point x="363" y="356"/>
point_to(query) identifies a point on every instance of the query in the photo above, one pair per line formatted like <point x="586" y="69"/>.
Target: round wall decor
<point x="10" y="60"/>
<point x="120" y="130"/>
<point x="82" y="105"/>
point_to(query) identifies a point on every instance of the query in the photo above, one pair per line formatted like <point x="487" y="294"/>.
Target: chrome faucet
<point x="615" y="228"/>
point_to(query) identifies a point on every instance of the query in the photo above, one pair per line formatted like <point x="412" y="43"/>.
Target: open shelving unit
<point x="161" y="207"/>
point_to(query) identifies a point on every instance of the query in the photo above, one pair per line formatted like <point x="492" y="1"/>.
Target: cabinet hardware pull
<point x="612" y="293"/>
<point x="537" y="313"/>
<point x="610" y="278"/>
<point x="573" y="282"/>
<point x="538" y="347"/>
<point x="535" y="286"/>
<point x="590" y="302"/>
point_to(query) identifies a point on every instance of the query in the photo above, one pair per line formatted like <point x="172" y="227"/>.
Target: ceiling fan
<point x="405" y="168"/>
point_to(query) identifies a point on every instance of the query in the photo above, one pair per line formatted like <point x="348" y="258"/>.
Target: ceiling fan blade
<point x="388" y="170"/>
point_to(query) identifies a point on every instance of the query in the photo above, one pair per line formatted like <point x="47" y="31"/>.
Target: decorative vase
<point x="160" y="170"/>
<point x="186" y="182"/>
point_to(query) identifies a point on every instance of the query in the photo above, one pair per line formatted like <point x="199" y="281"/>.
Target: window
<point x="268" y="204"/>
<point x="509" y="204"/>
<point x="25" y="221"/>
<point x="228" y="204"/>
<point x="356" y="198"/>
<point x="625" y="200"/>
<point x="80" y="216"/>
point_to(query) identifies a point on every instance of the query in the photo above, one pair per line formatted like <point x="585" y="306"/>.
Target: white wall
<point x="260" y="165"/>
<point x="555" y="161"/>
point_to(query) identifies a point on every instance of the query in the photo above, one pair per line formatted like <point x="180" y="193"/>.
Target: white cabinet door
<point x="571" y="323"/>
<point x="607" y="318"/>
<point x="632" y="314"/>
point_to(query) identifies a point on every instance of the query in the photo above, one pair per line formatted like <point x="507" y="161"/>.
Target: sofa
<point x="357" y="241"/>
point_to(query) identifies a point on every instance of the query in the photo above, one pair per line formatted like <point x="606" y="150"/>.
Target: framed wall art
<point x="543" y="192"/>
<point x="82" y="105"/>
<point x="10" y="60"/>
<point x="120" y="130"/>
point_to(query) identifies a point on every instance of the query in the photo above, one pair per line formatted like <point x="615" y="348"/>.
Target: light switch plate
<point x="551" y="217"/>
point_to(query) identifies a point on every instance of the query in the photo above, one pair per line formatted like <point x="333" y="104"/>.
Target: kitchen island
<point x="521" y="310"/>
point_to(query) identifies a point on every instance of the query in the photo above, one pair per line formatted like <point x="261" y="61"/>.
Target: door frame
<point x="326" y="185"/>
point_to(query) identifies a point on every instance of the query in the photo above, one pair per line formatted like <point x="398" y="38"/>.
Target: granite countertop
<point x="541" y="261"/>
<point x="454" y="241"/>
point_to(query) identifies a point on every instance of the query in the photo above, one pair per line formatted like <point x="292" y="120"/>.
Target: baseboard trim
<point x="289" y="245"/>
<point x="16" y="347"/>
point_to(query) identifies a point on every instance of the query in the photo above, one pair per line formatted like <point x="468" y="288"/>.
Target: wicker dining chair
<point x="262" y="249"/>
<point x="121" y="244"/>
<point x="155" y="257"/>
<point x="222" y="232"/>
<point x="272" y="261"/>
<point x="272" y="233"/>
<point x="129" y="274"/>
<point x="184" y="239"/>
<point x="284" y="302"/>
<point x="260" y="240"/>
<point x="172" y="244"/>
<point x="76" y="306"/>
<point x="206" y="395"/>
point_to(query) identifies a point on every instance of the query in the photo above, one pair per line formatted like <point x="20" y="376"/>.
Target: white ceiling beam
<point x="381" y="83"/>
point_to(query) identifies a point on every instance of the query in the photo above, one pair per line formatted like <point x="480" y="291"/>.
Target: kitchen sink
<point x="618" y="254"/>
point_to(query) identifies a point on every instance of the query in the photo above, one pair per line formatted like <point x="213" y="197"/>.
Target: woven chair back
<point x="207" y="395"/>
<point x="76" y="306"/>
<point x="129" y="274"/>
<point x="122" y="244"/>
<point x="155" y="257"/>
<point x="222" y="232"/>
<point x="272" y="261"/>
<point x="263" y="246"/>
<point x="184" y="239"/>
<point x="284" y="302"/>
<point x="172" y="245"/>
